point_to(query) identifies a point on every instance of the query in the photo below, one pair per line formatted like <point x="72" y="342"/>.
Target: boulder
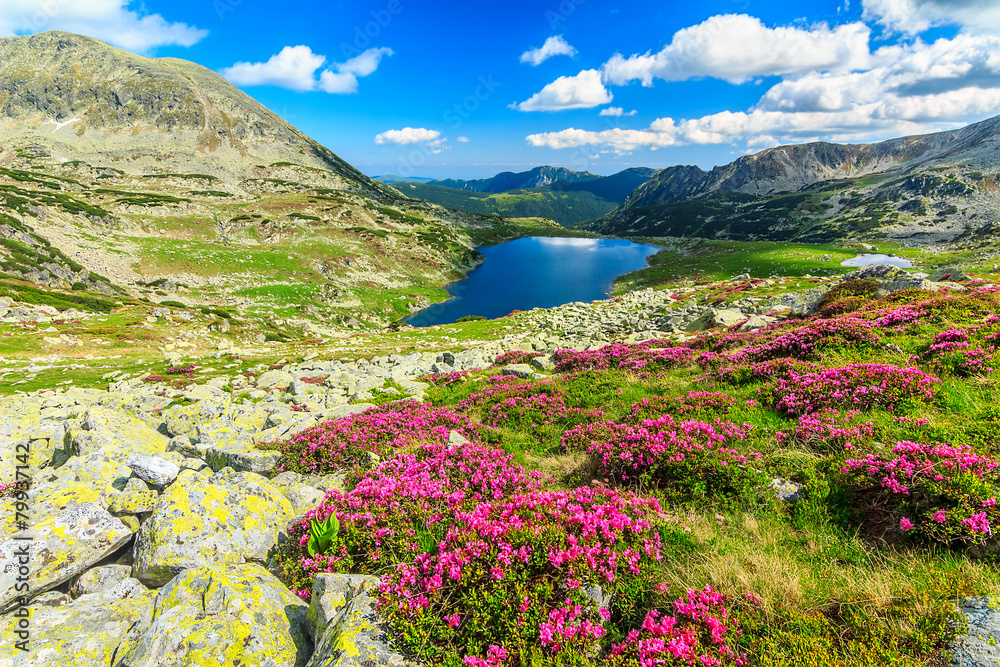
<point x="300" y="494"/>
<point x="153" y="469"/>
<point x="182" y="419"/>
<point x="890" y="278"/>
<point x="358" y="637"/>
<point x="980" y="645"/>
<point x="728" y="317"/>
<point x="210" y="518"/>
<point x="99" y="579"/>
<point x="136" y="498"/>
<point x="58" y="549"/>
<point x="243" y="457"/>
<point x="330" y="595"/>
<point x="523" y="371"/>
<point x="236" y="616"/>
<point x="272" y="379"/>
<point x="86" y="632"/>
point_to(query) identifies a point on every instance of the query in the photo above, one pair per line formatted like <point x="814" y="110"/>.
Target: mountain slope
<point x="124" y="178"/>
<point x="905" y="188"/>
<point x="80" y="97"/>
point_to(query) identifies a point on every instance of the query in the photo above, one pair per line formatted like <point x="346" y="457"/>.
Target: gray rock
<point x="210" y="519"/>
<point x="99" y="579"/>
<point x="948" y="273"/>
<point x="243" y="457"/>
<point x="154" y="470"/>
<point x="135" y="498"/>
<point x="728" y="317"/>
<point x="544" y="363"/>
<point x="330" y="595"/>
<point x="358" y="638"/>
<point x="236" y="615"/>
<point x="60" y="547"/>
<point x="980" y="646"/>
<point x="272" y="379"/>
<point x="786" y="490"/>
<point x="522" y="371"/>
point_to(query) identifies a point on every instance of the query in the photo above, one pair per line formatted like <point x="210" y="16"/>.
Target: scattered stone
<point x="522" y="371"/>
<point x="154" y="470"/>
<point x="785" y="490"/>
<point x="980" y="645"/>
<point x="99" y="579"/>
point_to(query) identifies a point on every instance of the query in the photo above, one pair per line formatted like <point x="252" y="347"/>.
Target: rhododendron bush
<point x="646" y="356"/>
<point x="936" y="492"/>
<point x="858" y="386"/>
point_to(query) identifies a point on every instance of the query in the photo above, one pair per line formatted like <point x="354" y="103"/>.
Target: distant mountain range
<point x="926" y="188"/>
<point x="566" y="196"/>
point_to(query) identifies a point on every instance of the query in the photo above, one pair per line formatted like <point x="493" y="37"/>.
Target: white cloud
<point x="916" y="16"/>
<point x="462" y="140"/>
<point x="911" y="89"/>
<point x="553" y="46"/>
<point x="583" y="91"/>
<point x="737" y="47"/>
<point x="617" y="112"/>
<point x="408" y="135"/>
<point x="108" y="20"/>
<point x="294" y="68"/>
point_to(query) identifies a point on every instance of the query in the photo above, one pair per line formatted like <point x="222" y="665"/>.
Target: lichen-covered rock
<point x="728" y="317"/>
<point x="890" y="278"/>
<point x="523" y="371"/>
<point x="153" y="469"/>
<point x="182" y="419"/>
<point x="59" y="548"/>
<point x="331" y="594"/>
<point x="300" y="494"/>
<point x="245" y="457"/>
<point x="99" y="579"/>
<point x="950" y="274"/>
<point x="980" y="645"/>
<point x="359" y="637"/>
<point x="207" y="518"/>
<point x="135" y="498"/>
<point x="272" y="379"/>
<point x="85" y="633"/>
<point x="227" y="617"/>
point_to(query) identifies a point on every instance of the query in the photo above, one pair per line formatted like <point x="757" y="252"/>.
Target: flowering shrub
<point x="952" y="351"/>
<point x="693" y="401"/>
<point x="511" y="577"/>
<point x="859" y="386"/>
<point x="739" y="373"/>
<point x="182" y="370"/>
<point x="400" y="509"/>
<point x="648" y="355"/>
<point x="15" y="489"/>
<point x="349" y="440"/>
<point x="506" y="402"/>
<point x="937" y="492"/>
<point x="696" y="630"/>
<point x="515" y="357"/>
<point x="688" y="457"/>
<point x="827" y="430"/>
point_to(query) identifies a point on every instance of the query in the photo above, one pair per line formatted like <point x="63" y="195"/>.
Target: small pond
<point x="536" y="272"/>
<point x="875" y="258"/>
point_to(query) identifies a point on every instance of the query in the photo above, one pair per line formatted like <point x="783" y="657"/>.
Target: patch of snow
<point x="61" y="125"/>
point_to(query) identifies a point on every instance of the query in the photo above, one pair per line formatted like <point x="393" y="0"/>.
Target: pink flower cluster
<point x="346" y="441"/>
<point x="941" y="492"/>
<point x="515" y="403"/>
<point x="693" y="401"/>
<point x="953" y="350"/>
<point x="661" y="447"/>
<point x="650" y="354"/>
<point x="858" y="386"/>
<point x="697" y="631"/>
<point x="829" y="429"/>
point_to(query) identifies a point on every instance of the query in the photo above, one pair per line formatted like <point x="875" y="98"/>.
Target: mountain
<point x="925" y="188"/>
<point x="81" y="98"/>
<point x="392" y="178"/>
<point x="508" y="180"/>
<point x="126" y="180"/>
<point x="580" y="198"/>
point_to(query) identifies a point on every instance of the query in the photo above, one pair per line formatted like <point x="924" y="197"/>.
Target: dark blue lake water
<point x="536" y="272"/>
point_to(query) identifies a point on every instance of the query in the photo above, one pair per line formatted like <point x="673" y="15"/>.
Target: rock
<point x="980" y="645"/>
<point x="544" y="363"/>
<point x="136" y="498"/>
<point x="522" y="371"/>
<point x="786" y="490"/>
<point x="99" y="579"/>
<point x="728" y="317"/>
<point x="272" y="379"/>
<point x="740" y="278"/>
<point x="243" y="457"/>
<point x="358" y="638"/>
<point x="330" y="595"/>
<point x="948" y="273"/>
<point x="301" y="495"/>
<point x="83" y="633"/>
<point x="206" y="518"/>
<point x="456" y="438"/>
<point x="59" y="548"/>
<point x="236" y="616"/>
<point x="890" y="278"/>
<point x="757" y="322"/>
<point x="182" y="419"/>
<point x="153" y="469"/>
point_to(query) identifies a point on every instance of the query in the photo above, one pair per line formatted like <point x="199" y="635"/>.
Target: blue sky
<point x="460" y="89"/>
